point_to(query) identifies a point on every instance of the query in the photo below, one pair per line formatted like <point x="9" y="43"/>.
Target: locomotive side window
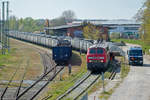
<point x="92" y="51"/>
<point x="100" y="51"/>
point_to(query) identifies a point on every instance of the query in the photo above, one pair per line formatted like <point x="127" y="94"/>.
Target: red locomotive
<point x="98" y="57"/>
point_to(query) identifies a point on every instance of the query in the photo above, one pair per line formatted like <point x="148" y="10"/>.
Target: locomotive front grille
<point x="95" y="61"/>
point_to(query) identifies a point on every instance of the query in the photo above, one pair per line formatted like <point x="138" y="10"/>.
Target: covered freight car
<point x="62" y="52"/>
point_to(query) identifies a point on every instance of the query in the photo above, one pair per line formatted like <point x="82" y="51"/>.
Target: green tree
<point x="90" y="31"/>
<point x="27" y="24"/>
<point x="115" y="35"/>
<point x="145" y="29"/>
<point x="13" y="23"/>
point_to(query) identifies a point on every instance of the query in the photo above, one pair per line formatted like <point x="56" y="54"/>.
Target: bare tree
<point x="69" y="15"/>
<point x="139" y="15"/>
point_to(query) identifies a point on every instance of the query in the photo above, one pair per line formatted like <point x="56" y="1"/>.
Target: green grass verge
<point x="124" y="69"/>
<point x="57" y="88"/>
<point x="139" y="42"/>
<point x="5" y="59"/>
<point x="19" y="54"/>
<point x="99" y="84"/>
<point x="124" y="72"/>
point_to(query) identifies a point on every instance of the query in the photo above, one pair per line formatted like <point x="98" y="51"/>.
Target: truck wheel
<point x="129" y="63"/>
<point x="141" y="64"/>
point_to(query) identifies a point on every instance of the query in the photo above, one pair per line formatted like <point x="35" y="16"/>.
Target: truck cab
<point x="135" y="56"/>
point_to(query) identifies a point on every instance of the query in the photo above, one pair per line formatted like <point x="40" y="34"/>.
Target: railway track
<point x="112" y="75"/>
<point x="27" y="94"/>
<point x="10" y="93"/>
<point x="81" y="87"/>
<point x="116" y="64"/>
<point x="21" y="82"/>
<point x="51" y="70"/>
<point x="31" y="92"/>
<point x="87" y="81"/>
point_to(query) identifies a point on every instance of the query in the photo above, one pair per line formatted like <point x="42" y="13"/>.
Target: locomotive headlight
<point x="102" y="61"/>
<point x="90" y="60"/>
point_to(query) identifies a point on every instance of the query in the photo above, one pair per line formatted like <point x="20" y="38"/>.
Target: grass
<point x="145" y="46"/>
<point x="58" y="87"/>
<point x="20" y="54"/>
<point x="105" y="95"/>
<point x="124" y="72"/>
<point x="124" y="69"/>
<point x="99" y="84"/>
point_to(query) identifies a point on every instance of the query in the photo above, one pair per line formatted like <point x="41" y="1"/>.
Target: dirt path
<point x="136" y="86"/>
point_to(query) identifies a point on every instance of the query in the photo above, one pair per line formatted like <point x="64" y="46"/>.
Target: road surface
<point x="136" y="86"/>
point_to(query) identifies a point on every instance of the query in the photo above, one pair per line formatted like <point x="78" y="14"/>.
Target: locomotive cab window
<point x="92" y="51"/>
<point x="100" y="51"/>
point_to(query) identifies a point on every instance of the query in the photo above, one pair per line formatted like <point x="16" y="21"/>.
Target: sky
<point x="84" y="9"/>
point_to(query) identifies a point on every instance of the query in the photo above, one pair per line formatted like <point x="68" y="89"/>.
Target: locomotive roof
<point x="109" y="46"/>
<point x="99" y="45"/>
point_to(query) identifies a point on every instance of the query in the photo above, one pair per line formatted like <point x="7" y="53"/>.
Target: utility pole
<point x="8" y="44"/>
<point x="5" y="28"/>
<point x="3" y="31"/>
<point x="0" y="28"/>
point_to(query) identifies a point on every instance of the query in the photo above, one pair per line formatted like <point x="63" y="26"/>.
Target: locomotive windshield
<point x="96" y="51"/>
<point x="92" y="51"/>
<point x="100" y="51"/>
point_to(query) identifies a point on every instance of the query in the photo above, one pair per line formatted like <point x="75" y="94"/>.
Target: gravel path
<point x="136" y="86"/>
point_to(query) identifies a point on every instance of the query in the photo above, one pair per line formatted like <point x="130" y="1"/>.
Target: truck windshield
<point x="135" y="52"/>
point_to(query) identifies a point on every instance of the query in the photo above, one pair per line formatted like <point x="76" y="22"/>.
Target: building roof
<point x="110" y="22"/>
<point x="63" y="26"/>
<point x="106" y="23"/>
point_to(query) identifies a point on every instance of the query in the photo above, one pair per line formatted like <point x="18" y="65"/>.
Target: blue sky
<point x="84" y="9"/>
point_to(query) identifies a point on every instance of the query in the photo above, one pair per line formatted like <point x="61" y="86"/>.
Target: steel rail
<point x="20" y="85"/>
<point x="10" y="80"/>
<point x="50" y="79"/>
<point x="74" y="87"/>
<point x="25" y="91"/>
<point x="75" y="98"/>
